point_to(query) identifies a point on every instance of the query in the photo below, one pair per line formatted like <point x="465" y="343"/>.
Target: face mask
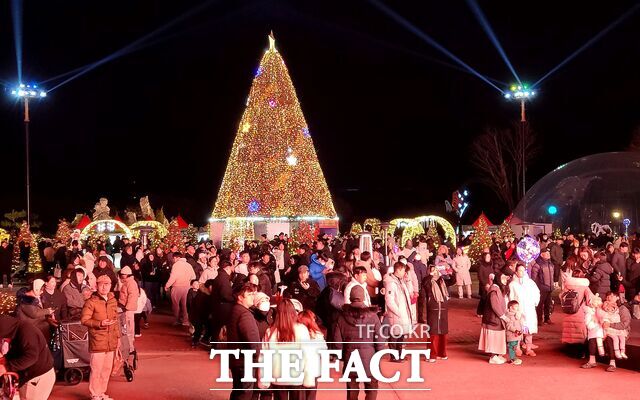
<point x="264" y="306"/>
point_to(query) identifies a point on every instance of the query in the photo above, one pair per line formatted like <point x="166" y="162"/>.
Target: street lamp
<point x="615" y="214"/>
<point x="24" y="93"/>
<point x="522" y="93"/>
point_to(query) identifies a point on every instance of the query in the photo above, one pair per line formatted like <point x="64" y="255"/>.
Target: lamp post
<point x="26" y="92"/>
<point x="522" y="93"/>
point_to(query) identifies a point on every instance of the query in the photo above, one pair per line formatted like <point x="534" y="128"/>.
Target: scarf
<point x="438" y="290"/>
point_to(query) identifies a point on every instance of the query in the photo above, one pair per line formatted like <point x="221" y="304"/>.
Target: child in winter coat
<point x="619" y="336"/>
<point x="593" y="318"/>
<point x="514" y="330"/>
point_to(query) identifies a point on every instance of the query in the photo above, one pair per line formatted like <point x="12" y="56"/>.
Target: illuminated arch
<point x="158" y="226"/>
<point x="449" y="231"/>
<point x="375" y="225"/>
<point x="85" y="232"/>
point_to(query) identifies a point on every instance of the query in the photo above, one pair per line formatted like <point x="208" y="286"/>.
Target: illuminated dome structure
<point x="600" y="188"/>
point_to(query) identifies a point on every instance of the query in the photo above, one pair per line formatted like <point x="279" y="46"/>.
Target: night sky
<point x="391" y="123"/>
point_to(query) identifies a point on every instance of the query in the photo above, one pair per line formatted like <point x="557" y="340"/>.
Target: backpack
<point x="569" y="302"/>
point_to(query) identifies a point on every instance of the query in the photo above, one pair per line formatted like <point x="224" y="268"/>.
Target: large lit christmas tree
<point x="273" y="170"/>
<point x="481" y="240"/>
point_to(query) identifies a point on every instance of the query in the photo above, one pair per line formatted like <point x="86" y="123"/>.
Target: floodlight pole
<point x="26" y="135"/>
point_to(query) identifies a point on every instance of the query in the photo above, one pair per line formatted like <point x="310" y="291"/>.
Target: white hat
<point x="38" y="284"/>
<point x="417" y="257"/>
<point x="126" y="271"/>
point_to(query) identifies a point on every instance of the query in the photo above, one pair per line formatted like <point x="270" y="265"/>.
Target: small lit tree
<point x="174" y="237"/>
<point x="481" y="240"/>
<point x="63" y="234"/>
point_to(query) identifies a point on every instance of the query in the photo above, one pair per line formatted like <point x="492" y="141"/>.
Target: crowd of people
<point x="331" y="295"/>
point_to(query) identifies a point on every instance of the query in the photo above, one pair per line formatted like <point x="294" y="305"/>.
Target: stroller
<point x="70" y="348"/>
<point x="128" y="357"/>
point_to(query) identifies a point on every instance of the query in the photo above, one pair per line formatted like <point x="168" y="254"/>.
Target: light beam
<point x="409" y="26"/>
<point x="492" y="36"/>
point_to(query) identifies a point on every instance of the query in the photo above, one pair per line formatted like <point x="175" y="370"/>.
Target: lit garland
<point x="273" y="169"/>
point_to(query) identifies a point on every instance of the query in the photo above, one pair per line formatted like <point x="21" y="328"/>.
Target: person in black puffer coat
<point x="600" y="275"/>
<point x="358" y="328"/>
<point x="485" y="268"/>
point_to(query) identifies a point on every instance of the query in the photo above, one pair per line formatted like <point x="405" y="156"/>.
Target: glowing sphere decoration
<point x="552" y="210"/>
<point x="528" y="249"/>
<point x="626" y="222"/>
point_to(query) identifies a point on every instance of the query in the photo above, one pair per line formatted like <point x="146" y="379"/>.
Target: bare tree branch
<point x="488" y="156"/>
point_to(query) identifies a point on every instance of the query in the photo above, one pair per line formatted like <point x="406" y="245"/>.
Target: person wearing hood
<point x="600" y="275"/>
<point x="28" y="355"/>
<point x="437" y="313"/>
<point x="493" y="337"/>
<point x="29" y="307"/>
<point x="485" y="268"/>
<point x="262" y="312"/>
<point x="73" y="294"/>
<point x="524" y="290"/>
<point x="358" y="329"/>
<point x="318" y="269"/>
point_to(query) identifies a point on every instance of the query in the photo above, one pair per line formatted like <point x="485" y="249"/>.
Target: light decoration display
<point x="449" y="230"/>
<point x="24" y="236"/>
<point x="519" y="92"/>
<point x="375" y="226"/>
<point x="159" y="228"/>
<point x="273" y="170"/>
<point x="34" y="266"/>
<point x="356" y="228"/>
<point x="528" y="249"/>
<point x="411" y="230"/>
<point x="4" y="235"/>
<point x="7" y="303"/>
<point x="63" y="234"/>
<point x="481" y="240"/>
<point x="174" y="236"/>
<point x="106" y="225"/>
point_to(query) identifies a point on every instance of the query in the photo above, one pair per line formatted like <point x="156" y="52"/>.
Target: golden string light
<point x="273" y="170"/>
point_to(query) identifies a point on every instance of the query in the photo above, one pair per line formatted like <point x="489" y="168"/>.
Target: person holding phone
<point x="100" y="315"/>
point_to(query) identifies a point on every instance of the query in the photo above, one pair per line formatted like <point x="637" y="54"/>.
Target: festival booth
<point x="273" y="182"/>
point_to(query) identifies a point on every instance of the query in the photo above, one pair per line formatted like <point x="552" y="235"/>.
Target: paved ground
<point x="169" y="369"/>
